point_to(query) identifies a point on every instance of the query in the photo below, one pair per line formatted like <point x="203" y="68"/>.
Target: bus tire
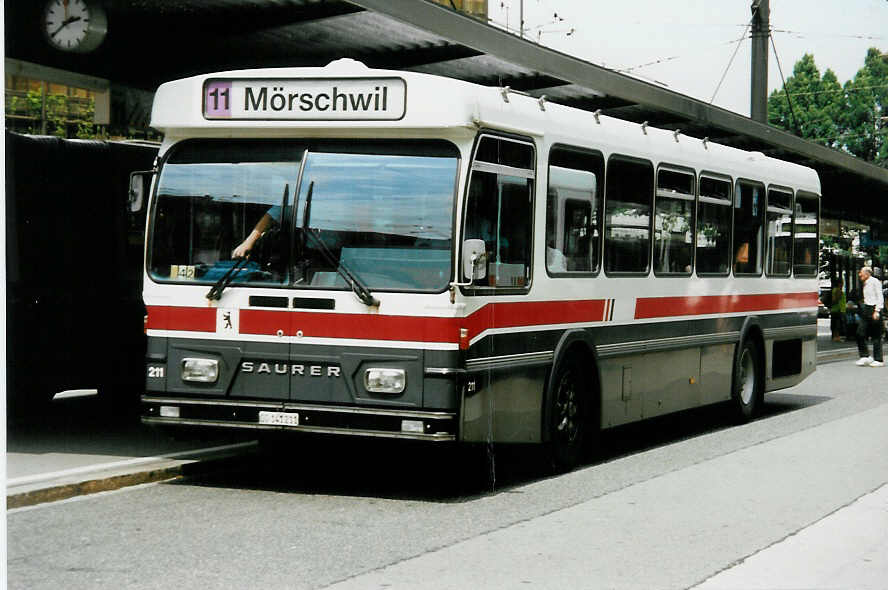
<point x="747" y="384"/>
<point x="568" y="415"/>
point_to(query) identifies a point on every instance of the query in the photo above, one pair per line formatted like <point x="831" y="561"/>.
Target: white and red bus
<point x="369" y="252"/>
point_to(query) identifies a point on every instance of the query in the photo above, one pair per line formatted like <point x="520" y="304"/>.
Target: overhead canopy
<point x="153" y="41"/>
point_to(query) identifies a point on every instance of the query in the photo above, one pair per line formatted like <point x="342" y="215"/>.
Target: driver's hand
<point x="242" y="250"/>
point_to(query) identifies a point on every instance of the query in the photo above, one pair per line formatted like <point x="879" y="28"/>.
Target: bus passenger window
<point x="627" y="234"/>
<point x="804" y="261"/>
<point x="674" y="223"/>
<point x="749" y="205"/>
<point x="779" y="221"/>
<point x="714" y="226"/>
<point x="499" y="210"/>
<point x="573" y="211"/>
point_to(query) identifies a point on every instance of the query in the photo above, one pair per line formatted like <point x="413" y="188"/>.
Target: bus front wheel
<point x="568" y="416"/>
<point x="748" y="388"/>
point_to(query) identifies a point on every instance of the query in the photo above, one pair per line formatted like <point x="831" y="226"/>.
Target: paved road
<point x="669" y="505"/>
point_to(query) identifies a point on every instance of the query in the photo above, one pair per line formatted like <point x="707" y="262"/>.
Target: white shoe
<point x="864" y="361"/>
<point x="877" y="364"/>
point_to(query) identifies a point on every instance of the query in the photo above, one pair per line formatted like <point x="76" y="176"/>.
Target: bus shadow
<point x="398" y="470"/>
<point x="401" y="470"/>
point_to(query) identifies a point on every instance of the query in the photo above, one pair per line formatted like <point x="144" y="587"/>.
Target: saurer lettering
<point x="290" y="369"/>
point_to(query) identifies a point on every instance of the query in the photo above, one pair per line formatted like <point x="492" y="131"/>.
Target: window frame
<point x="684" y="197"/>
<point x="729" y="203"/>
<point x="783" y="189"/>
<point x="492" y="168"/>
<point x="599" y="195"/>
<point x="812" y="196"/>
<point x="604" y="225"/>
<point x="751" y="183"/>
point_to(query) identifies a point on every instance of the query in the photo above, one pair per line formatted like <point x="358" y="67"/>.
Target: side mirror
<point x="474" y="259"/>
<point x="139" y="186"/>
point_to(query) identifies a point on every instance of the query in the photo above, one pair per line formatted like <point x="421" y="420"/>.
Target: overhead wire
<point x="731" y="61"/>
<point x="785" y="89"/>
<point x="842" y="90"/>
<point x="803" y="35"/>
<point x="852" y="135"/>
<point x="674" y="57"/>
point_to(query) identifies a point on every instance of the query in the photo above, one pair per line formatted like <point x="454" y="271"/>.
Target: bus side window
<point x="499" y="210"/>
<point x="779" y="222"/>
<point x="674" y="223"/>
<point x="714" y="226"/>
<point x="805" y="247"/>
<point x="573" y="211"/>
<point x="627" y="234"/>
<point x="749" y="205"/>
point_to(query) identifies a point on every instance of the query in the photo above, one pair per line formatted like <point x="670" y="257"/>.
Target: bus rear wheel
<point x="747" y="392"/>
<point x="568" y="416"/>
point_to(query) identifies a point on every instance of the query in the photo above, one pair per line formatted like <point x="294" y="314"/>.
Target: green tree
<point x="813" y="106"/>
<point x="848" y="118"/>
<point x="866" y="105"/>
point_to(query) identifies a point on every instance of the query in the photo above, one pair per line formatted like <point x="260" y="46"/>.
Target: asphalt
<point x="80" y="448"/>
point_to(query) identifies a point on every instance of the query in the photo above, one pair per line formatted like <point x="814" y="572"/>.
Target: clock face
<point x="74" y="25"/>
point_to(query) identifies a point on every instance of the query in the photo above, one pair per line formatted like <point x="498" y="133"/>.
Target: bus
<point x="351" y="251"/>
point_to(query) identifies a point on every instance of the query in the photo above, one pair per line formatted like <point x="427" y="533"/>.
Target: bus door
<point x="499" y="211"/>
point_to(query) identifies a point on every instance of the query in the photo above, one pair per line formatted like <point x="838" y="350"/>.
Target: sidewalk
<point x="847" y="549"/>
<point x="79" y="448"/>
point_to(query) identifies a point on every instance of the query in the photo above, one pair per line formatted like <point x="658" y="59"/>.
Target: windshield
<point x="381" y="211"/>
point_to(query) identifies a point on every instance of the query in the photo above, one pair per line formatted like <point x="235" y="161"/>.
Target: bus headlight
<point x="385" y="380"/>
<point x="200" y="370"/>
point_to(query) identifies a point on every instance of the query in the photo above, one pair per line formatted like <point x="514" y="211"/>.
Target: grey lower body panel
<point x="644" y="371"/>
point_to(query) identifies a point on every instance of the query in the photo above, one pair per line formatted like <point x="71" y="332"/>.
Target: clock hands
<point x="74" y="25"/>
<point x="65" y="23"/>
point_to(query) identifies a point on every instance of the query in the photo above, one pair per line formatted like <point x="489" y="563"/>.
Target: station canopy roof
<point x="153" y="41"/>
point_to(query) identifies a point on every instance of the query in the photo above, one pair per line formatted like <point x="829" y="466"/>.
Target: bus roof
<point x="346" y="94"/>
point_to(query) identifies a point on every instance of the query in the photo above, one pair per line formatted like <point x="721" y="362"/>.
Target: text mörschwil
<point x="275" y="99"/>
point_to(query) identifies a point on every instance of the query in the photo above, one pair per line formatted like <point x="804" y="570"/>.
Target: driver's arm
<point x="263" y="224"/>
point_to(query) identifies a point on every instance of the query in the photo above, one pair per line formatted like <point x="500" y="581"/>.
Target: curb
<point x="840" y="354"/>
<point x="42" y="488"/>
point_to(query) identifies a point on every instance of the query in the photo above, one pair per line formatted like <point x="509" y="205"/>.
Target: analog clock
<point x="75" y="25"/>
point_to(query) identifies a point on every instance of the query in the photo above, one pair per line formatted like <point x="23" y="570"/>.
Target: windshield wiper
<point x="215" y="292"/>
<point x="357" y="286"/>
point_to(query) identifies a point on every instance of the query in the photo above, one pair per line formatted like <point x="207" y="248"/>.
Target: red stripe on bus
<point x="534" y="313"/>
<point x="190" y="319"/>
<point x="253" y="321"/>
<point x="383" y="327"/>
<point x="662" y="307"/>
<point x="354" y="326"/>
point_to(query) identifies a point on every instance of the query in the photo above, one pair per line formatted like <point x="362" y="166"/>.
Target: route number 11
<point x="215" y="94"/>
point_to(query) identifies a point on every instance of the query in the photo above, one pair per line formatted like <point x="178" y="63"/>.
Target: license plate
<point x="279" y="418"/>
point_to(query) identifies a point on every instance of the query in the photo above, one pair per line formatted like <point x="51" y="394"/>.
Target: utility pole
<point x="521" y="21"/>
<point x="761" y="30"/>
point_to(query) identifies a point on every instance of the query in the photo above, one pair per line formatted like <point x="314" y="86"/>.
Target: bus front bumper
<point x="307" y="418"/>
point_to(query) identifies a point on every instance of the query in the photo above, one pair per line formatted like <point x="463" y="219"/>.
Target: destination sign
<point x="306" y="99"/>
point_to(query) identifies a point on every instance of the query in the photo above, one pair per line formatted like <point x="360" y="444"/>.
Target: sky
<point x="687" y="45"/>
